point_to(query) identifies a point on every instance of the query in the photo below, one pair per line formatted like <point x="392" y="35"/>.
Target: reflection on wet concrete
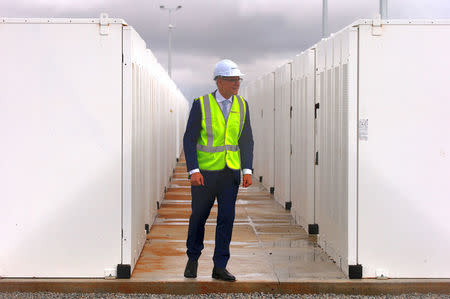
<point x="266" y="245"/>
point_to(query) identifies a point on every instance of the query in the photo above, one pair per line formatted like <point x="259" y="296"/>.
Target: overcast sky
<point x="259" y="35"/>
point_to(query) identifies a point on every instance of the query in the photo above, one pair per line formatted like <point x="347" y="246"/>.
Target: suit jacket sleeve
<point x="191" y="136"/>
<point x="246" y="142"/>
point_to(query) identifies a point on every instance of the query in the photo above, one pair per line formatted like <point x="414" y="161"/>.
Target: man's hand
<point x="247" y="180"/>
<point x="197" y="179"/>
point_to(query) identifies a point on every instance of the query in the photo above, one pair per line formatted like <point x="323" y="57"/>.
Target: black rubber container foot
<point x="288" y="205"/>
<point x="355" y="271"/>
<point x="123" y="271"/>
<point x="313" y="229"/>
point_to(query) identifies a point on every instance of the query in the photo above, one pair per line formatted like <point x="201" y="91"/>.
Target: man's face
<point x="229" y="85"/>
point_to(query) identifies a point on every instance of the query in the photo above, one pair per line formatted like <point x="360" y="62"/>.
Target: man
<point x="218" y="143"/>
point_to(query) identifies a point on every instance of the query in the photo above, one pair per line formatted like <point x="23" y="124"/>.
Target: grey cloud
<point x="237" y="29"/>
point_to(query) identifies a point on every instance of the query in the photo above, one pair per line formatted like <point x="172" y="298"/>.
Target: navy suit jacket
<point x="192" y="134"/>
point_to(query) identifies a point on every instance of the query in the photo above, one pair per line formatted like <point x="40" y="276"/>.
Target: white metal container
<point x="379" y="192"/>
<point x="79" y="176"/>
<point x="403" y="149"/>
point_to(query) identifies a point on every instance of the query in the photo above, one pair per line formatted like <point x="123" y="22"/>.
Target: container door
<point x="60" y="159"/>
<point x="404" y="145"/>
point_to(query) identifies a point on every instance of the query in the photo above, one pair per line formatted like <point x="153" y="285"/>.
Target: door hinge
<point x="317" y="158"/>
<point x="317" y="106"/>
<point x="291" y="112"/>
<point x="291" y="149"/>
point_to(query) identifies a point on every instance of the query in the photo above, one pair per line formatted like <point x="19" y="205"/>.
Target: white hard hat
<point x="227" y="68"/>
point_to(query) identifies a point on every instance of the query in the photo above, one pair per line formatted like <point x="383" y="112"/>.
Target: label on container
<point x="364" y="129"/>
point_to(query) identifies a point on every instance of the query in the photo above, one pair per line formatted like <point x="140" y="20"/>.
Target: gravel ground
<point x="46" y="295"/>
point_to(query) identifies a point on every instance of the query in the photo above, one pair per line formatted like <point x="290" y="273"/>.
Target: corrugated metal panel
<point x="282" y="133"/>
<point x="134" y="201"/>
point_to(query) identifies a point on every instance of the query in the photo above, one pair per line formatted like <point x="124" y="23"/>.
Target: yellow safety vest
<point x="217" y="145"/>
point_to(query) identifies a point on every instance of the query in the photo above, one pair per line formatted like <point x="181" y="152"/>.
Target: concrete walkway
<point x="266" y="245"/>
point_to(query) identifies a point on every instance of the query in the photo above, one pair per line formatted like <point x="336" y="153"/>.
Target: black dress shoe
<point x="222" y="274"/>
<point x="191" y="269"/>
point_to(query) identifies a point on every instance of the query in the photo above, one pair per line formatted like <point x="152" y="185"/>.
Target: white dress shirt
<point x="225" y="105"/>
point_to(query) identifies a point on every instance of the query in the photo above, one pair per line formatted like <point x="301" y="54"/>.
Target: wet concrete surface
<point x="267" y="245"/>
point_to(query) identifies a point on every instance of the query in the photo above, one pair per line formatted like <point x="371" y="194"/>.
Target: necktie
<point x="225" y="109"/>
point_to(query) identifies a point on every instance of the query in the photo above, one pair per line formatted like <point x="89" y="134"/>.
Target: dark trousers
<point x="224" y="186"/>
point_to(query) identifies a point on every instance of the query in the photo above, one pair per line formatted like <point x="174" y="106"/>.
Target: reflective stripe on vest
<point x="216" y="149"/>
<point x="215" y="153"/>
